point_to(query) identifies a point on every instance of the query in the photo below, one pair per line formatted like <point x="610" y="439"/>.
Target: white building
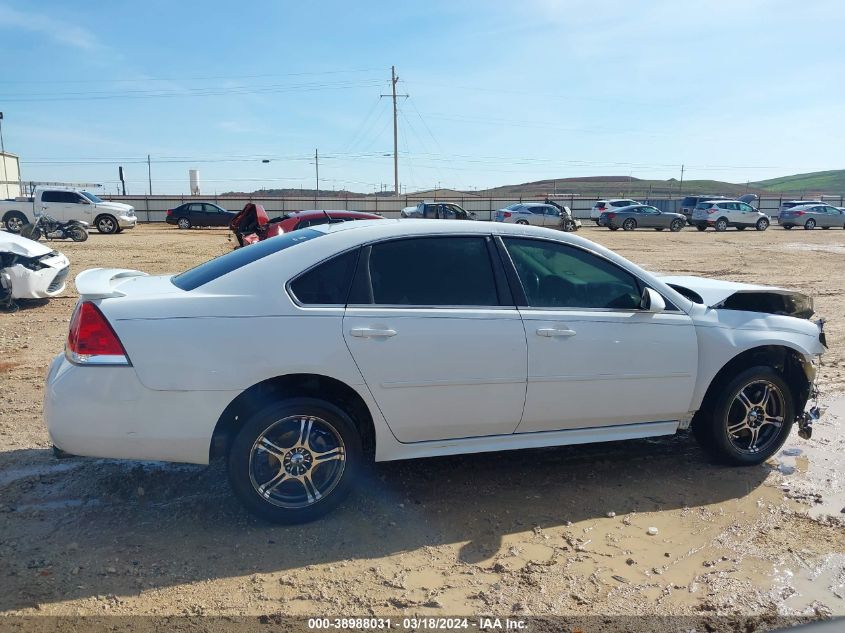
<point x="10" y="176"/>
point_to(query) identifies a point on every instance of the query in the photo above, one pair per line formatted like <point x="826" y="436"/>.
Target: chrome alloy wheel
<point x="297" y="461"/>
<point x="755" y="416"/>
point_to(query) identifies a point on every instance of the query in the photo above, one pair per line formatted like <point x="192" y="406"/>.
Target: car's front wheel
<point x="749" y="420"/>
<point x="106" y="224"/>
<point x="762" y="224"/>
<point x="295" y="460"/>
<point x="677" y="225"/>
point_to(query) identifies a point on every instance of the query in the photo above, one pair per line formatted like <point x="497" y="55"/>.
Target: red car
<point x="253" y="225"/>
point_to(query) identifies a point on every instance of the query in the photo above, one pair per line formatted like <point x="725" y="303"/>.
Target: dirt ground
<point x="543" y="532"/>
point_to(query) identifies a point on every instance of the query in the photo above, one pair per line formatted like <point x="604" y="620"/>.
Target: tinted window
<point x="428" y="271"/>
<point x="328" y="283"/>
<point x="556" y="275"/>
<point x="219" y="266"/>
<point x="59" y="196"/>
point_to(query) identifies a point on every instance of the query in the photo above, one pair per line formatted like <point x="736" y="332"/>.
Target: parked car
<point x="720" y="214"/>
<point x="534" y="213"/>
<point x="643" y="216"/>
<point x="67" y="203"/>
<point x="689" y="203"/>
<point x="437" y="211"/>
<point x="298" y="358"/>
<point x="193" y="214"/>
<point x="789" y="204"/>
<point x="812" y="215"/>
<point x="29" y="270"/>
<point x="604" y="205"/>
<point x="303" y="219"/>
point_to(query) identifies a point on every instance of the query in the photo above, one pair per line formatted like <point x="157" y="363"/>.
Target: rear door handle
<point x="555" y="332"/>
<point x="368" y="332"/>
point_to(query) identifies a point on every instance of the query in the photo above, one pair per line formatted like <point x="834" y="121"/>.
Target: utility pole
<point x="681" y="188"/>
<point x="149" y="174"/>
<point x="393" y="81"/>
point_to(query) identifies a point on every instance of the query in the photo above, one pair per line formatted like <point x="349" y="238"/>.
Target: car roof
<point x="339" y="213"/>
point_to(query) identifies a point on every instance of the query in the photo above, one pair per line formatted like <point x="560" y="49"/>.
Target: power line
<point x="52" y="82"/>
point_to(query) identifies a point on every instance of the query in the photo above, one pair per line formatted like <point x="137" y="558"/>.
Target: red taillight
<point x="712" y="210"/>
<point x="92" y="340"/>
<point x="610" y="216"/>
<point x="800" y="212"/>
<point x="170" y="212"/>
<point x="506" y="214"/>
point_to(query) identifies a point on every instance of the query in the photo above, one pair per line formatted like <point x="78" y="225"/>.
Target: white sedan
<point x="298" y="358"/>
<point x="29" y="270"/>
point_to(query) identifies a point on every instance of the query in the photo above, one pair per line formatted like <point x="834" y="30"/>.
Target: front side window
<point x="556" y="275"/>
<point x="746" y="208"/>
<point x="91" y="197"/>
<point x="427" y="271"/>
<point x="327" y="283"/>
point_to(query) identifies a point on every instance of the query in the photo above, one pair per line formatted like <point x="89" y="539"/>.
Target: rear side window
<point x="327" y="283"/>
<point x="223" y="265"/>
<point x="59" y="196"/>
<point x="426" y="271"/>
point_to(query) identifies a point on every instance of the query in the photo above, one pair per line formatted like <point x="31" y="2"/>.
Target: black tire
<point x="659" y="228"/>
<point x="613" y="228"/>
<point x="184" y="223"/>
<point x="701" y="227"/>
<point x="331" y="424"/>
<point x="106" y="224"/>
<point x="31" y="232"/>
<point x="825" y="228"/>
<point x="789" y="226"/>
<point x="629" y="225"/>
<point x="523" y="222"/>
<point x="810" y="224"/>
<point x="762" y="224"/>
<point x="710" y="426"/>
<point x="14" y="221"/>
<point x="77" y="234"/>
<point x="677" y="225"/>
<point x="740" y="228"/>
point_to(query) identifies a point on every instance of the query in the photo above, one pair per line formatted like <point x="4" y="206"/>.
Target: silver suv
<point x="720" y="214"/>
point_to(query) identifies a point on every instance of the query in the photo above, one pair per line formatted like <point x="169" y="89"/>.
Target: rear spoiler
<point x="100" y="283"/>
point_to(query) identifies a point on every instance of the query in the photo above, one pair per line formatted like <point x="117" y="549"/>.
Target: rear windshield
<point x="223" y="265"/>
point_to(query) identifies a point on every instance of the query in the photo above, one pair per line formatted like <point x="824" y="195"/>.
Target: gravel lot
<point x="542" y="532"/>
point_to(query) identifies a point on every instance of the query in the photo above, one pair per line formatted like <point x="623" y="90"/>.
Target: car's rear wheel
<point x="295" y="460"/>
<point x="629" y="225"/>
<point x="523" y="222"/>
<point x="106" y="224"/>
<point x="14" y="221"/>
<point x="810" y="224"/>
<point x="677" y="225"/>
<point x="701" y="227"/>
<point x="721" y="225"/>
<point x="762" y="224"/>
<point x="184" y="223"/>
<point x="749" y="420"/>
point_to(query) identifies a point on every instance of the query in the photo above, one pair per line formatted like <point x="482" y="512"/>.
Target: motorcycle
<point x="52" y="229"/>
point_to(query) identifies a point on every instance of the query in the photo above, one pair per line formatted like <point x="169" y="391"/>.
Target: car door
<point x="747" y="214"/>
<point x="551" y="216"/>
<point x="431" y="325"/>
<point x="595" y="358"/>
<point x="195" y="214"/>
<point x="827" y="217"/>
<point x="213" y="215"/>
<point x="837" y="218"/>
<point x="654" y="218"/>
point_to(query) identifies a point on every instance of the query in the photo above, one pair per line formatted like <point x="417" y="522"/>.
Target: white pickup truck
<point x="66" y="203"/>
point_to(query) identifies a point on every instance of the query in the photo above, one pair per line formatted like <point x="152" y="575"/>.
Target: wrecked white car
<point x="29" y="270"/>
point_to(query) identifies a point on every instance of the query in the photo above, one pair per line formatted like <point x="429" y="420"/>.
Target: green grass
<point x="815" y="183"/>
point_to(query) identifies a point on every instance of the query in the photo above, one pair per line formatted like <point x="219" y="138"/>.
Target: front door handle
<point x="555" y="332"/>
<point x="368" y="332"/>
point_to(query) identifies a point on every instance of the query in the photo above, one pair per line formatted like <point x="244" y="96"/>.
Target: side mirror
<point x="652" y="301"/>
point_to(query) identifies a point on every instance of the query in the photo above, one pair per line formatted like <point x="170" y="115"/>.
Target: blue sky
<point x="500" y="92"/>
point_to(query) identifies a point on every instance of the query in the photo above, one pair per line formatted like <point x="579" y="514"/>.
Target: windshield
<point x="223" y="265"/>
<point x="90" y="196"/>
